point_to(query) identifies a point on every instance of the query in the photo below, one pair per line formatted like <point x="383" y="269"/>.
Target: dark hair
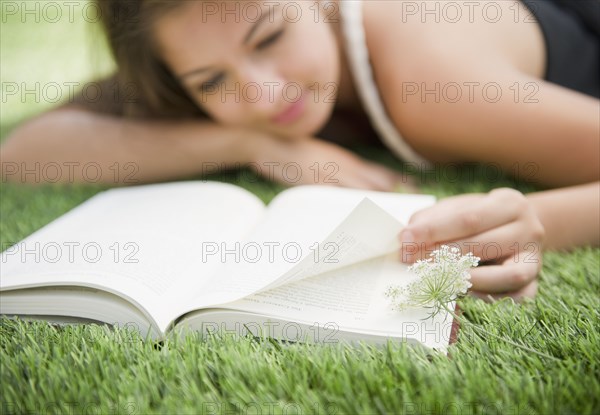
<point x="152" y="89"/>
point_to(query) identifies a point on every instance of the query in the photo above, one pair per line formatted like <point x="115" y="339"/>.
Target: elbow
<point x="66" y="147"/>
<point x="16" y="157"/>
<point x="32" y="153"/>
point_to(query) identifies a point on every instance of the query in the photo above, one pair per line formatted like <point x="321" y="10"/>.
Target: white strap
<point x="354" y="34"/>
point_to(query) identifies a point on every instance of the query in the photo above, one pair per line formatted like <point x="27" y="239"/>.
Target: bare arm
<point x="74" y="145"/>
<point x="471" y="92"/>
<point x="81" y="146"/>
<point x="570" y="216"/>
<point x="534" y="123"/>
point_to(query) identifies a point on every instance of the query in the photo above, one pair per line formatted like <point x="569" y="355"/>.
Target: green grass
<point x="92" y="369"/>
<point x="89" y="366"/>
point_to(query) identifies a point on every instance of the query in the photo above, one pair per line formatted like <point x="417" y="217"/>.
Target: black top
<point x="571" y="31"/>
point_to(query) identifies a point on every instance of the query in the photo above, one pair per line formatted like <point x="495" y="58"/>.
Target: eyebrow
<point x="251" y="32"/>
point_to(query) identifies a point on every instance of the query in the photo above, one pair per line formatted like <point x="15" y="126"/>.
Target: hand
<point x="500" y="227"/>
<point x="312" y="161"/>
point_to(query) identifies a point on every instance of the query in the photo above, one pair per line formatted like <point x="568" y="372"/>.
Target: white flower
<point x="441" y="279"/>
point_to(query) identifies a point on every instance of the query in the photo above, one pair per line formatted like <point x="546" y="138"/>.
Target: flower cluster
<point x="441" y="279"/>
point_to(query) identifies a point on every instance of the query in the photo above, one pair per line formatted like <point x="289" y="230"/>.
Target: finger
<point x="507" y="277"/>
<point x="382" y="178"/>
<point x="375" y="182"/>
<point x="441" y="208"/>
<point x="356" y="182"/>
<point x="529" y="291"/>
<point x="460" y="223"/>
<point x="494" y="244"/>
<point x="503" y="242"/>
<point x="360" y="178"/>
<point x="410" y="249"/>
<point x="344" y="175"/>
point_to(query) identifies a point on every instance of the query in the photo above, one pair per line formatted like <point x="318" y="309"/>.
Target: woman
<point x="228" y="83"/>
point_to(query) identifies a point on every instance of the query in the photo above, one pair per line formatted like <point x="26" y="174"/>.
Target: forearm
<point x="571" y="216"/>
<point x="84" y="144"/>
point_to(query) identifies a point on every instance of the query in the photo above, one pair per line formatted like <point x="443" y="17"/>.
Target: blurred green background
<point x="47" y="49"/>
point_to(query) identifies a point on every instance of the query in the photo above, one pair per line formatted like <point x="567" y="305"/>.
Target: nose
<point x="262" y="90"/>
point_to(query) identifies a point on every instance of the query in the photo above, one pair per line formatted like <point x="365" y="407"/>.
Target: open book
<point x="313" y="265"/>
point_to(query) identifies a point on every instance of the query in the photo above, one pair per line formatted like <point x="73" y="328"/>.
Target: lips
<point x="292" y="113"/>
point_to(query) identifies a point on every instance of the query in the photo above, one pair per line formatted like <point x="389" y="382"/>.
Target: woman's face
<point x="269" y="65"/>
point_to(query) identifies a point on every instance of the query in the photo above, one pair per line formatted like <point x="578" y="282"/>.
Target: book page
<point x="307" y="231"/>
<point x="59" y="304"/>
<point x="143" y="243"/>
<point x="352" y="299"/>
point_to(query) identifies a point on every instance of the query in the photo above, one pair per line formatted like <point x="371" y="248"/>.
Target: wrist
<point x="569" y="215"/>
<point x="258" y="146"/>
<point x="226" y="146"/>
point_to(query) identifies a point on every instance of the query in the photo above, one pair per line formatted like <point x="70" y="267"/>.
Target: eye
<point x="213" y="82"/>
<point x="270" y="40"/>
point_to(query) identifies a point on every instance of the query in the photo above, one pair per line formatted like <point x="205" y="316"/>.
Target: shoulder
<point x="408" y="33"/>
<point x="419" y="52"/>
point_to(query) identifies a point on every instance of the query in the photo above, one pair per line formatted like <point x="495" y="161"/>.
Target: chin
<point x="309" y="125"/>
